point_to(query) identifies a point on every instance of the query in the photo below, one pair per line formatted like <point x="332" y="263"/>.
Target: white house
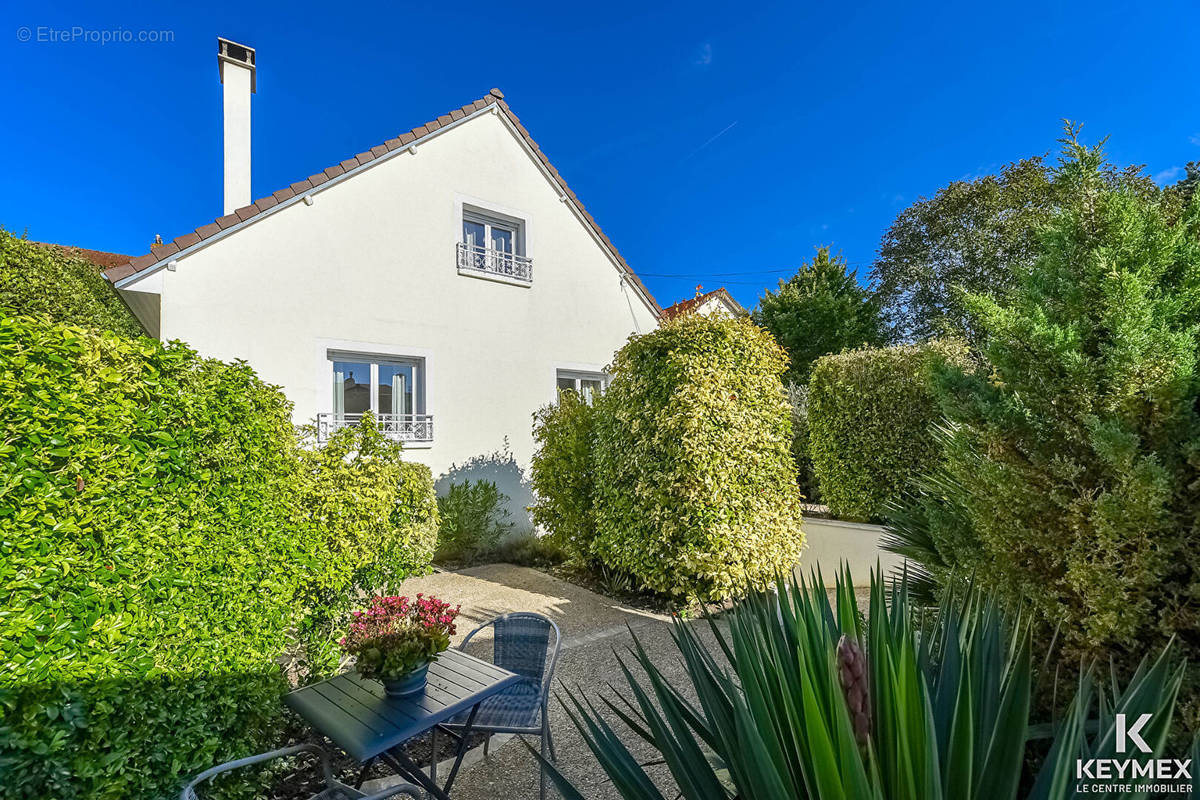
<point x="447" y="280"/>
<point x="718" y="301"/>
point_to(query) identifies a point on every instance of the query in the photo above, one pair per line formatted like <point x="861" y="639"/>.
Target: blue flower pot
<point x="408" y="684"/>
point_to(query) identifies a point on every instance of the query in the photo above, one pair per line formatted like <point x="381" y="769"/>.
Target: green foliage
<point x="869" y="414"/>
<point x="376" y="513"/>
<point x="50" y="284"/>
<point x="820" y="310"/>
<point x="474" y="518"/>
<point x="975" y="236"/>
<point x="531" y="550"/>
<point x="1069" y="476"/>
<point x="695" y="489"/>
<point x="777" y="709"/>
<point x="806" y="477"/>
<point x="156" y="546"/>
<point x="563" y="473"/>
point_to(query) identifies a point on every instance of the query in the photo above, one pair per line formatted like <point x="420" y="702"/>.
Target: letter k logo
<point x="1126" y="734"/>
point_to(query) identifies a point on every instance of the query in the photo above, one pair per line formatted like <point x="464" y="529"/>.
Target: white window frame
<point x="346" y="350"/>
<point x="578" y="375"/>
<point x="492" y="215"/>
<point x="374" y="361"/>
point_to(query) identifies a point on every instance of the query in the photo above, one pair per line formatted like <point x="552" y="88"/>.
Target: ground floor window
<point x="390" y="387"/>
<point x="588" y="385"/>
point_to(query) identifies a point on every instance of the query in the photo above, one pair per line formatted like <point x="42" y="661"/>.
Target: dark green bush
<point x="474" y="518"/>
<point x="156" y="546"/>
<point x="562" y="473"/>
<point x="695" y="488"/>
<point x="806" y="478"/>
<point x="50" y="284"/>
<point x="1070" y="469"/>
<point x="869" y="414"/>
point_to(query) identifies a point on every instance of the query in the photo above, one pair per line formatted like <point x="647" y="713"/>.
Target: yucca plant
<point x="802" y="697"/>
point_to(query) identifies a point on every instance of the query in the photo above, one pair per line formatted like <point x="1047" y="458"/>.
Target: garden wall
<point x="832" y="542"/>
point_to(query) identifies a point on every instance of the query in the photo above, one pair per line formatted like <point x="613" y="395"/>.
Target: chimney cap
<point x="229" y="51"/>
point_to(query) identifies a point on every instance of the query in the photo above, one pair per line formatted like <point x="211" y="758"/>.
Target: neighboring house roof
<point x="230" y="223"/>
<point x="98" y="257"/>
<point x="687" y="306"/>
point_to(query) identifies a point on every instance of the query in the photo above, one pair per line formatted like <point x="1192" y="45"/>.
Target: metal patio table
<point x="355" y="714"/>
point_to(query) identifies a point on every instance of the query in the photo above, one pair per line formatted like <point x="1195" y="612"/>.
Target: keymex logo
<point x="1134" y="774"/>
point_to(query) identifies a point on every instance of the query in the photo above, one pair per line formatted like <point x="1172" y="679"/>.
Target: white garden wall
<point x="833" y="542"/>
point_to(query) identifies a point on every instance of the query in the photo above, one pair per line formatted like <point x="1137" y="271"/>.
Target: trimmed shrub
<point x="562" y="473"/>
<point x="869" y="415"/>
<point x="695" y="488"/>
<point x="50" y="284"/>
<point x="474" y="518"/>
<point x="156" y="546"/>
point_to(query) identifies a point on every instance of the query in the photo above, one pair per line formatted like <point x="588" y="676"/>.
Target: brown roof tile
<point x="204" y="231"/>
<point x="117" y="273"/>
<point x="229" y="220"/>
<point x="494" y="98"/>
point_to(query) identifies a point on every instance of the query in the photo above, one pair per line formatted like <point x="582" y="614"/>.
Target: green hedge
<point x="695" y="485"/>
<point x="869" y="415"/>
<point x="158" y="539"/>
<point x="48" y="283"/>
<point x="562" y="473"/>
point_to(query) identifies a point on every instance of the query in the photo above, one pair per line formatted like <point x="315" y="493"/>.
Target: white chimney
<point x="236" y="62"/>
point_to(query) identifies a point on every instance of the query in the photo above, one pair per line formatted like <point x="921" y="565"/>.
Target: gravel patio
<point x="592" y="627"/>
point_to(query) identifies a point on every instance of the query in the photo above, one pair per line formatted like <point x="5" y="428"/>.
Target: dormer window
<point x="493" y="247"/>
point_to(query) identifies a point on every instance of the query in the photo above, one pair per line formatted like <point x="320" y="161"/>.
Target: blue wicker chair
<point x="527" y="644"/>
<point x="333" y="790"/>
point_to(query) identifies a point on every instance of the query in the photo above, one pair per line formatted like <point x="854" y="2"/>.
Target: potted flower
<point x="394" y="639"/>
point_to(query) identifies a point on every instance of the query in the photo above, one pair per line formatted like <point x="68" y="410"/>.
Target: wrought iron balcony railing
<point x="495" y="262"/>
<point x="403" y="427"/>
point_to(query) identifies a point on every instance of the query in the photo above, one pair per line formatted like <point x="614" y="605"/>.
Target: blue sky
<point x="716" y="143"/>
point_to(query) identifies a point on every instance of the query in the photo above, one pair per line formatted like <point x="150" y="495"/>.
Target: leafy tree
<point x="821" y="309"/>
<point x="1069" y="479"/>
<point x="972" y="237"/>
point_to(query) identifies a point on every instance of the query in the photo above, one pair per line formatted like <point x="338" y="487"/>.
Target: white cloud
<point x="1194" y="139"/>
<point x="1168" y="175"/>
<point x="704" y="55"/>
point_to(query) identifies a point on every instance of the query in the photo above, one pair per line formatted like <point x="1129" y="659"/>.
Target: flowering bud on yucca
<point x="852" y="671"/>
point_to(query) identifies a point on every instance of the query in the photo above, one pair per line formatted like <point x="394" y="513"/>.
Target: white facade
<point x="369" y="268"/>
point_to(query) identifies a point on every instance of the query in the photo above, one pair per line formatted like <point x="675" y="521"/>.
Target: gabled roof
<point x="231" y="223"/>
<point x="686" y="306"/>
